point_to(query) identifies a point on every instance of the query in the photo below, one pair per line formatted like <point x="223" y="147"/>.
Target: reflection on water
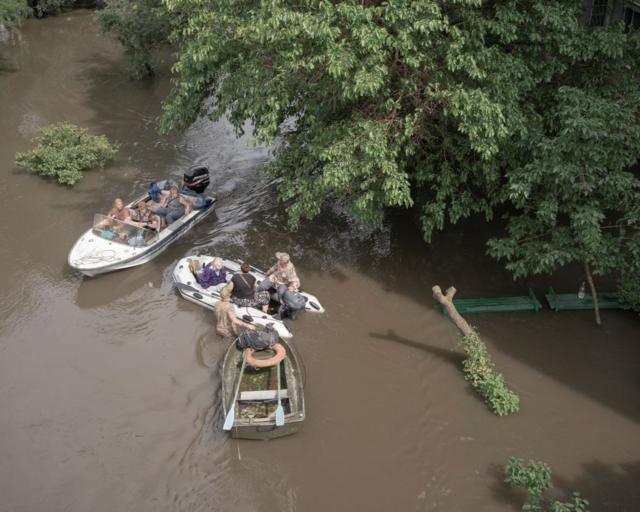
<point x="109" y="387"/>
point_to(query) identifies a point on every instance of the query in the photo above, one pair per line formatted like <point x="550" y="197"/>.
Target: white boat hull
<point x="193" y="292"/>
<point x="93" y="255"/>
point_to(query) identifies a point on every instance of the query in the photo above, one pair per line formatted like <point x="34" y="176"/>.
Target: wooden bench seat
<point x="269" y="394"/>
<point x="498" y="304"/>
<point x="570" y="301"/>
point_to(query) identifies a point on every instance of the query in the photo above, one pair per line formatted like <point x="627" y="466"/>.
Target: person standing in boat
<point x="227" y="323"/>
<point x="282" y="276"/>
<point x="243" y="290"/>
<point x="172" y="207"/>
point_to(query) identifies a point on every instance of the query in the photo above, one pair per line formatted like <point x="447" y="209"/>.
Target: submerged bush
<point x="481" y="374"/>
<point x="63" y="151"/>
<point x="535" y="478"/>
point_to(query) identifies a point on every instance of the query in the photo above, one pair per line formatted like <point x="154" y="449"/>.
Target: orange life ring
<point x="280" y="354"/>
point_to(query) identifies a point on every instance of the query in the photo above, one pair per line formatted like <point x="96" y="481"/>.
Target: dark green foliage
<point x="479" y="370"/>
<point x="140" y="26"/>
<point x="454" y="107"/>
<point x="629" y="284"/>
<point x="535" y="478"/>
<point x="42" y="8"/>
<point x="12" y="13"/>
<point x="63" y="151"/>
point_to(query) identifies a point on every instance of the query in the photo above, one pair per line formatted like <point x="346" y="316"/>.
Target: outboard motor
<point x="196" y="179"/>
<point x="290" y="304"/>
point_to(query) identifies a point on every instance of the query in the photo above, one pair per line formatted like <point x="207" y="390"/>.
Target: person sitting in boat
<point x="227" y="323"/>
<point x="172" y="207"/>
<point x="243" y="290"/>
<point x="282" y="276"/>
<point x="118" y="212"/>
<point x="143" y="217"/>
<point x="212" y="275"/>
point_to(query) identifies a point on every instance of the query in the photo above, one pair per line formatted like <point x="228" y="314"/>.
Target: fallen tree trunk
<point x="478" y="368"/>
<point x="447" y="302"/>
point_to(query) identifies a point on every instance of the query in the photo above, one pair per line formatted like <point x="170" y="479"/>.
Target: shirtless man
<point x="119" y="211"/>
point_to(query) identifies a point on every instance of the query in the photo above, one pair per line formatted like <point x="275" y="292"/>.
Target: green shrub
<point x="481" y="374"/>
<point x="63" y="151"/>
<point x="535" y="478"/>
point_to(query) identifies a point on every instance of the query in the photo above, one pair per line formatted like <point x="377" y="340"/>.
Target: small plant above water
<point x="64" y="151"/>
<point x="479" y="370"/>
<point x="535" y="478"/>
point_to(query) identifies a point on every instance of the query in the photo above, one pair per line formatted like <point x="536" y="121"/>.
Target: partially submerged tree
<point x="577" y="199"/>
<point x="535" y="478"/>
<point x="478" y="367"/>
<point x="454" y="107"/>
<point x="140" y="26"/>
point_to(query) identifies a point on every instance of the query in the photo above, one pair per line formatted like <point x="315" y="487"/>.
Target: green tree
<point x="577" y="199"/>
<point x="140" y="26"/>
<point x="452" y="107"/>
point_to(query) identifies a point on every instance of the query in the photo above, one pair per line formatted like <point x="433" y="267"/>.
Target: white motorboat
<point x="111" y="244"/>
<point x="190" y="289"/>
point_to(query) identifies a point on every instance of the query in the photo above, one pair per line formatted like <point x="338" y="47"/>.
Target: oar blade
<point x="231" y="416"/>
<point x="279" y="415"/>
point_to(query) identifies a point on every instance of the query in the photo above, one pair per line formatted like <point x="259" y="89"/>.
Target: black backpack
<point x="258" y="340"/>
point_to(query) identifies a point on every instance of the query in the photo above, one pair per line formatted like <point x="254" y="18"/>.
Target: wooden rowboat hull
<point x="254" y="416"/>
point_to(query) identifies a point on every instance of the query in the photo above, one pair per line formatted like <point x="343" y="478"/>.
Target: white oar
<point x="231" y="414"/>
<point x="280" y="409"/>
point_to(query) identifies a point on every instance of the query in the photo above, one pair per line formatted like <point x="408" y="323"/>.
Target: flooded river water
<point x="109" y="387"/>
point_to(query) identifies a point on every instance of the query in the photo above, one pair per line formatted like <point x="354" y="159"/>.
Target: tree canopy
<point x="452" y="107"/>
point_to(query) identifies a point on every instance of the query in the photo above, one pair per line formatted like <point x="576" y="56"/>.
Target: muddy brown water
<point x="109" y="387"/>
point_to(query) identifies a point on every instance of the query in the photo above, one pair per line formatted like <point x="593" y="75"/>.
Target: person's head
<point x="173" y="191"/>
<point x="225" y="294"/>
<point x="142" y="206"/>
<point x="217" y="264"/>
<point x="118" y="204"/>
<point x="245" y="267"/>
<point x="283" y="258"/>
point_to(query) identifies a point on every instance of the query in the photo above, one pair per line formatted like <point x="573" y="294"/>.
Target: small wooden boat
<point x="257" y="400"/>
